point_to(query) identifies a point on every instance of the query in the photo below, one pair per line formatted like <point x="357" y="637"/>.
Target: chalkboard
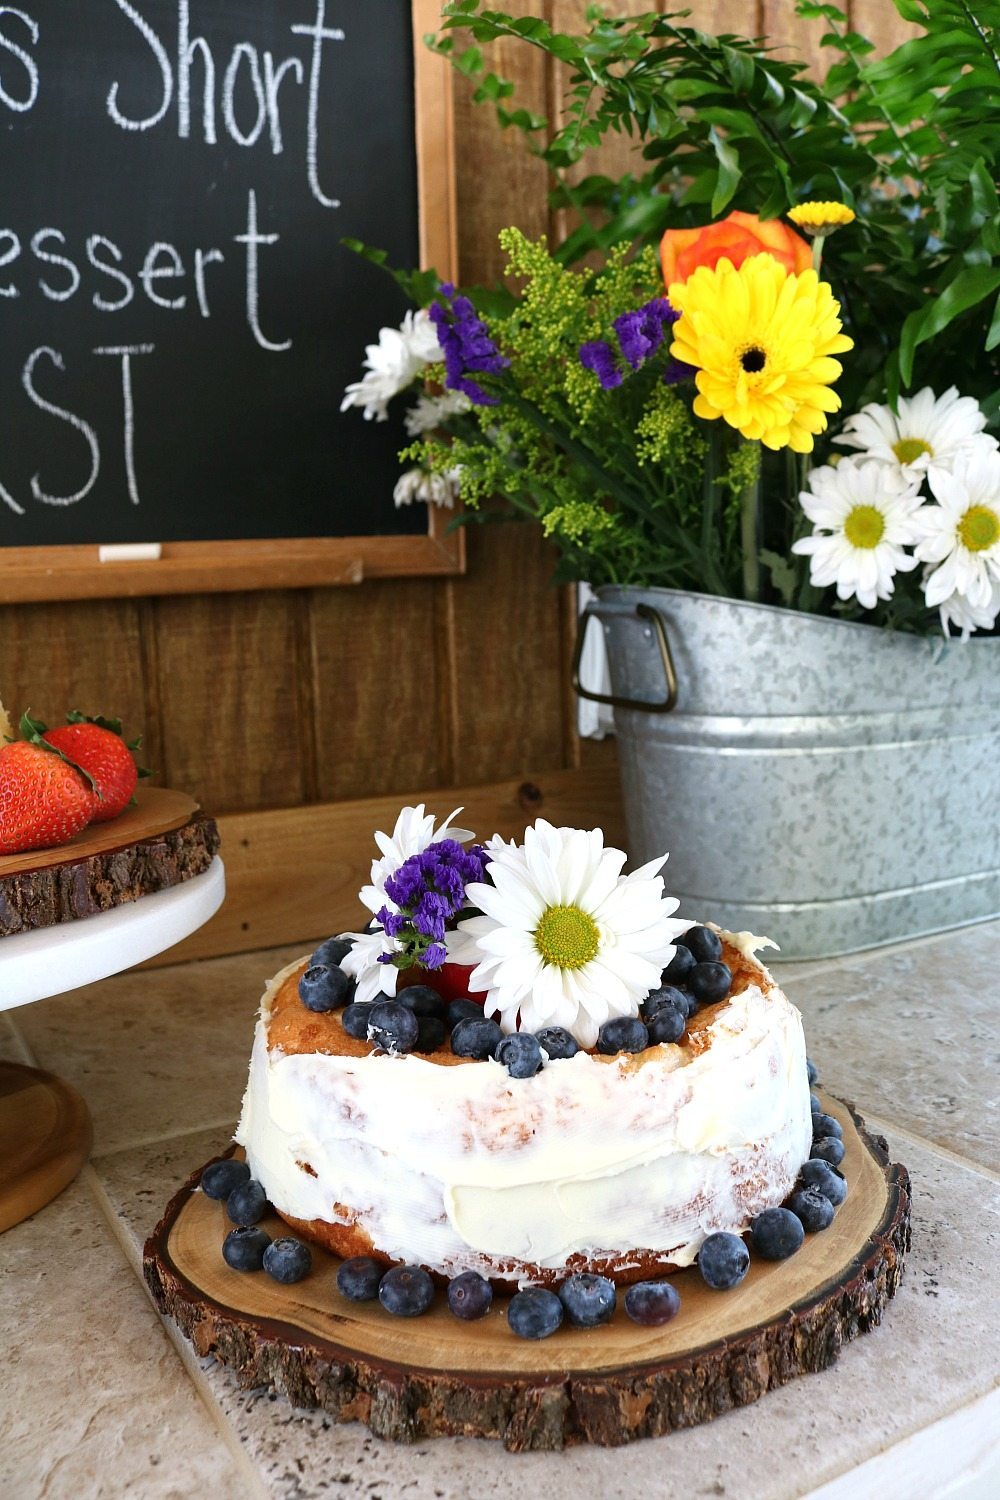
<point x="179" y="317"/>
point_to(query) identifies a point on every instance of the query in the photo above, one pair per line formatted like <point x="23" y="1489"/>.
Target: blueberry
<point x="358" y="1278"/>
<point x="422" y="1000"/>
<point x="430" y="1033"/>
<point x="247" y="1203"/>
<point x="406" y="1291"/>
<point x="723" y="1261"/>
<point x="676" y="972"/>
<point x="709" y="982"/>
<point x="520" y="1054"/>
<point x="479" y="1038"/>
<point x="470" y="1296"/>
<point x="667" y="994"/>
<point x="557" y="1042"/>
<point x="667" y="1025"/>
<point x="777" y="1233"/>
<point x="534" y="1314"/>
<point x="287" y="1260"/>
<point x="688" y="1004"/>
<point x="354" y="1020"/>
<point x="815" y="1105"/>
<point x="392" y="1027"/>
<point x="815" y="1211"/>
<point x="812" y="1071"/>
<point x="244" y="1248"/>
<point x="705" y="944"/>
<point x="831" y="1183"/>
<point x="827" y="1148"/>
<point x="324" y="987"/>
<point x="220" y="1177"/>
<point x="652" y="1303"/>
<point x="588" y="1300"/>
<point x="462" y="1010"/>
<point x="622" y="1034"/>
<point x="333" y="951"/>
<point x="827" y="1125"/>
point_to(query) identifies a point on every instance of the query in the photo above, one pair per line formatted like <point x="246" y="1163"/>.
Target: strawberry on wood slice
<point x="98" y="746"/>
<point x="45" y="800"/>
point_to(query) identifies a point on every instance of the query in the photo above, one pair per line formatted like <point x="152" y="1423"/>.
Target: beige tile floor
<point x="98" y="1398"/>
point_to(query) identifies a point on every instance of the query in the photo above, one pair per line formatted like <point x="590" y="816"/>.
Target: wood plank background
<point x="257" y="702"/>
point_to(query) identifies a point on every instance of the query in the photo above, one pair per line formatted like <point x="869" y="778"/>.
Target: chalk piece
<point x="130" y="552"/>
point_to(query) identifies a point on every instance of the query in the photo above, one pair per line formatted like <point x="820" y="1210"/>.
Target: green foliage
<point x="911" y="141"/>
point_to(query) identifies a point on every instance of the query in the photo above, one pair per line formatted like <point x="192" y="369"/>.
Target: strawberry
<point x="99" y="748"/>
<point x="44" y="799"/>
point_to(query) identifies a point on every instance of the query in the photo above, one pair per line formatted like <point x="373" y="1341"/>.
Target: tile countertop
<point x="99" y="1398"/>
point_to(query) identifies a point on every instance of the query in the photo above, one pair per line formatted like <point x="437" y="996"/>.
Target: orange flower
<point x="737" y="237"/>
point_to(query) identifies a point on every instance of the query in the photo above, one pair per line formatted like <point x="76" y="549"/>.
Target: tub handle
<point x="655" y="619"/>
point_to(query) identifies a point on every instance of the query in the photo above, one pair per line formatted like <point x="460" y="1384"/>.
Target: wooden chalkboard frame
<point x="35" y="574"/>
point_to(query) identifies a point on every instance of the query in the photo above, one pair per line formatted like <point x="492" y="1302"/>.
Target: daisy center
<point x="864" y="526"/>
<point x="753" y="359"/>
<point x="567" y="937"/>
<point x="908" y="450"/>
<point x="979" y="528"/>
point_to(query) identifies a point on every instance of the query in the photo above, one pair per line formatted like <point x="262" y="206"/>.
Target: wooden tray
<point x="411" y="1379"/>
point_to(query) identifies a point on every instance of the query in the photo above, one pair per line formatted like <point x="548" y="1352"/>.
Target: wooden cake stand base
<point x="414" y="1378"/>
<point x="45" y="1138"/>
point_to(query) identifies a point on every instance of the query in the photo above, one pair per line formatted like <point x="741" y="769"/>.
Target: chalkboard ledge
<point x="33" y="574"/>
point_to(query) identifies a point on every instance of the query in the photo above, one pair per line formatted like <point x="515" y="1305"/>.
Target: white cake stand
<point x="45" y="1127"/>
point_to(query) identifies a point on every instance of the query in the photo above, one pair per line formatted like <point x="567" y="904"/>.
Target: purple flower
<point x="429" y="890"/>
<point x="677" y="371"/>
<point x="466" y="345"/>
<point x="640" y="333"/>
<point x="599" y="357"/>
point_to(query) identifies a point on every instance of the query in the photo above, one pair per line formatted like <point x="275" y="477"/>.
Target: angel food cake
<point x="612" y="1087"/>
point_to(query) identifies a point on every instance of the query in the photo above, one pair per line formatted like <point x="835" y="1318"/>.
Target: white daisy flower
<point x="962" y="532"/>
<point x="428" y="412"/>
<point x="394" y="363"/>
<point x="862" y="514"/>
<point x="958" y="612"/>
<point x="565" y="939"/>
<point x="414" y="832"/>
<point x="927" y="436"/>
<point x="435" y="489"/>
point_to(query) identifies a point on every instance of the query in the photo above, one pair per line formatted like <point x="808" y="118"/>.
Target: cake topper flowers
<point x="407" y="929"/>
<point x="564" y="938"/>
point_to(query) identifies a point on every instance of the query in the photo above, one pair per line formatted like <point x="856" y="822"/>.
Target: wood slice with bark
<point x="162" y="841"/>
<point x="410" y="1379"/>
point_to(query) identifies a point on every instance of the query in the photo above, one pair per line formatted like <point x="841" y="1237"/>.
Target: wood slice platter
<point x="409" y="1379"/>
<point x="161" y="841"/>
<point x="45" y="1138"/>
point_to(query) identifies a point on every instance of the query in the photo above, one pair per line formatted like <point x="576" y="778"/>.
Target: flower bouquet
<point x="680" y="415"/>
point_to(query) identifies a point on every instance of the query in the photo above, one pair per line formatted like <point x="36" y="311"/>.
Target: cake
<point x="614" y="1161"/>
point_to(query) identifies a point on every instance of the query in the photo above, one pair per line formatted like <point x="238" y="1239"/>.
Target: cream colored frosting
<point x="464" y="1168"/>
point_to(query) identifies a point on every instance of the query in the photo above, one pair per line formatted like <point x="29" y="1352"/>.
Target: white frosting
<point x="462" y="1167"/>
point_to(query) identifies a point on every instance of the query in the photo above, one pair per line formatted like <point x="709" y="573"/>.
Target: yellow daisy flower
<point x="821" y="218"/>
<point x="760" y="339"/>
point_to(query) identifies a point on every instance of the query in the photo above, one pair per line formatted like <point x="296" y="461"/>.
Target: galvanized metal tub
<point x="831" y="785"/>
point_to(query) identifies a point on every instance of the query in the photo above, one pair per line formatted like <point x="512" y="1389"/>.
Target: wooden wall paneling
<point x="507" y="702"/>
<point x="791" y="37"/>
<point x="498" y="180"/>
<point x="618" y="153"/>
<point x="294" y="875"/>
<point x="881" y="23"/>
<point x="54" y="657"/>
<point x="380" y="684"/>
<point x="234" y="697"/>
<point x="719" y="17"/>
